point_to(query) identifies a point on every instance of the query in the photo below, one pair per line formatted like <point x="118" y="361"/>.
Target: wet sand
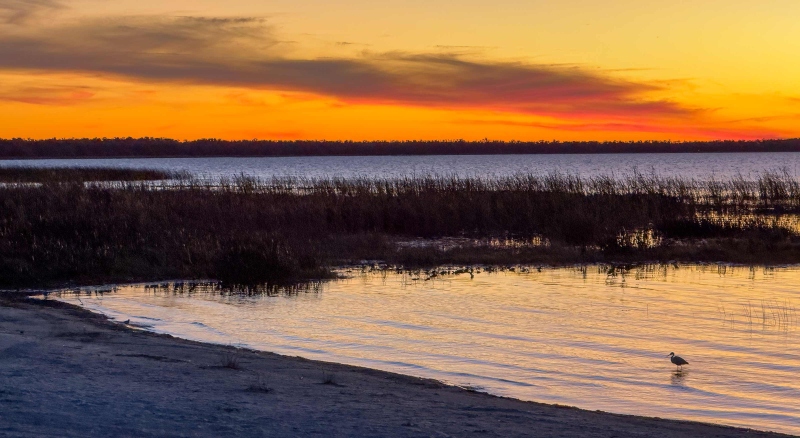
<point x="67" y="372"/>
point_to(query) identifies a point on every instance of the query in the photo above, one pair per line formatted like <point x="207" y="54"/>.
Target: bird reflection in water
<point x="679" y="377"/>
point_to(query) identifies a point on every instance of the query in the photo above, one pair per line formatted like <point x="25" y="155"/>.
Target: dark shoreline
<point x="128" y="382"/>
<point x="168" y="148"/>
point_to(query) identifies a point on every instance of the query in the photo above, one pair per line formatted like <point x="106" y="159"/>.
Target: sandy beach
<point x="67" y="372"/>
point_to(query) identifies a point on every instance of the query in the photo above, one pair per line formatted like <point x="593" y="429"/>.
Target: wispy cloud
<point x="20" y="11"/>
<point x="47" y="95"/>
<point x="245" y="52"/>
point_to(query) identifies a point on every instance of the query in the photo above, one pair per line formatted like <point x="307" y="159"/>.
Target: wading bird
<point x="677" y="360"/>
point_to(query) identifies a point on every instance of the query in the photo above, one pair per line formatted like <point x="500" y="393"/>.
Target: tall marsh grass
<point x="246" y="230"/>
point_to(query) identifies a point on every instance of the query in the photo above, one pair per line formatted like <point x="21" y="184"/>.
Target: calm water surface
<point x="698" y="166"/>
<point x="569" y="336"/>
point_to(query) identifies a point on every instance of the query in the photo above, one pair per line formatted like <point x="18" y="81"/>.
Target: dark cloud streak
<point x="244" y="52"/>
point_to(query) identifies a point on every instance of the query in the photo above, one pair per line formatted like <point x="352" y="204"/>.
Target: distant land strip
<point x="164" y="147"/>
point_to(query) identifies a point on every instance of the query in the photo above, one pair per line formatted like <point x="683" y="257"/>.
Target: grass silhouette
<point x="278" y="231"/>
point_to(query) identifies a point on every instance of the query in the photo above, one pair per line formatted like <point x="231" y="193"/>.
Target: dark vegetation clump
<point x="329" y="378"/>
<point x="81" y="174"/>
<point x="247" y="231"/>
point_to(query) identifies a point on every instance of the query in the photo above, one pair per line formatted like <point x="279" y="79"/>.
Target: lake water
<point x="583" y="337"/>
<point x="698" y="166"/>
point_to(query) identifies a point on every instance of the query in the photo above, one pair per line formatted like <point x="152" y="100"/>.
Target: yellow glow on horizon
<point x="72" y="105"/>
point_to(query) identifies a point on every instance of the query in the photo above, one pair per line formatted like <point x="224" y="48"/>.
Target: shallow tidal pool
<point x="593" y="337"/>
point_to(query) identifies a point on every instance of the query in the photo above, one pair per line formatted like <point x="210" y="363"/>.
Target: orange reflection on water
<point x="593" y="337"/>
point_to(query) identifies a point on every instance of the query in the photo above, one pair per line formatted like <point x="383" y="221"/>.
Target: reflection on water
<point x="698" y="166"/>
<point x="593" y="337"/>
<point x="679" y="377"/>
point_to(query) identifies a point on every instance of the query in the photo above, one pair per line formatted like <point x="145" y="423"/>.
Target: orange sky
<point x="435" y="69"/>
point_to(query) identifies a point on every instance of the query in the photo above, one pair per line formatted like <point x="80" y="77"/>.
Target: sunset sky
<point x="412" y="69"/>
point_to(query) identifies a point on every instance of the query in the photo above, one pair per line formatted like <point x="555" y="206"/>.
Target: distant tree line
<point x="164" y="147"/>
